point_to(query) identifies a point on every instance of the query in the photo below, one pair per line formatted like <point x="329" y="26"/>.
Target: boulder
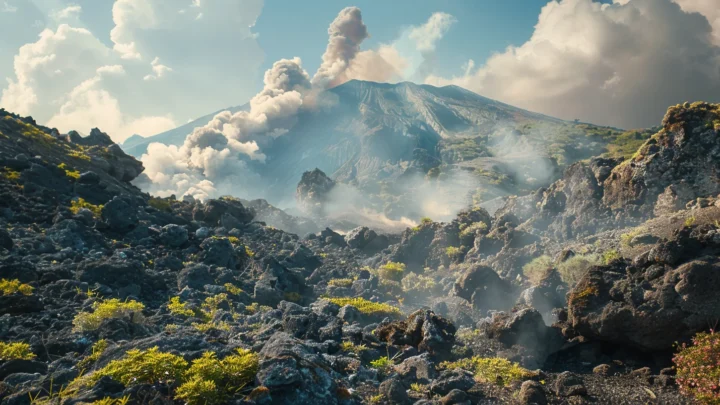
<point x="173" y="235"/>
<point x="423" y="330"/>
<point x="483" y="287"/>
<point x="195" y="276"/>
<point x="213" y="211"/>
<point x="120" y="214"/>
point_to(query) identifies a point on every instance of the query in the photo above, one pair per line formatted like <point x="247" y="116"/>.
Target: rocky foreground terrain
<point x="576" y="293"/>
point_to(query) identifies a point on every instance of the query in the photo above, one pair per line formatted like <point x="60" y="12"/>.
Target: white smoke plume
<point x="214" y="158"/>
<point x="346" y="33"/>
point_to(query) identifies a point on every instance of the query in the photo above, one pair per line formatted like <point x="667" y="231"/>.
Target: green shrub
<point x="382" y="363"/>
<point x="610" y="255"/>
<point x="572" y="269"/>
<point x="473" y="228"/>
<point x="690" y="221"/>
<point x="179" y="308"/>
<point x="97" y="350"/>
<point x="491" y="370"/>
<point x="233" y="289"/>
<point x="102" y="310"/>
<point x="160" y="204"/>
<point x="392" y="271"/>
<point x="70" y="172"/>
<point x="698" y="368"/>
<point x="367" y="307"/>
<point x="453" y="252"/>
<point x="350" y="347"/>
<point x="217" y="379"/>
<point x="537" y="269"/>
<point x="10" y="175"/>
<point x="78" y="204"/>
<point x="10" y="287"/>
<point x="341" y="282"/>
<point x="197" y="391"/>
<point x="418" y="283"/>
<point x="142" y="367"/>
<point x="15" y="351"/>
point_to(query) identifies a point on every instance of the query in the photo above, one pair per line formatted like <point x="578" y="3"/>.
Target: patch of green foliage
<point x="79" y="203"/>
<point x="149" y="366"/>
<point x="418" y="283"/>
<point x="233" y="289"/>
<point x="537" y="269"/>
<point x="160" y="204"/>
<point x="102" y="310"/>
<point x="10" y="175"/>
<point x="69" y="171"/>
<point x="367" y="307"/>
<point x="491" y="370"/>
<point x="350" y="347"/>
<point x="179" y="308"/>
<point x="698" y="368"/>
<point x="341" y="282"/>
<point x="210" y="380"/>
<point x="473" y="229"/>
<point x="610" y="256"/>
<point x="572" y="269"/>
<point x="97" y="350"/>
<point x="453" y="252"/>
<point x="10" y="287"/>
<point x="626" y="238"/>
<point x="628" y="142"/>
<point x="690" y="221"/>
<point x="79" y="154"/>
<point x="382" y="363"/>
<point x="15" y="351"/>
<point x="391" y="271"/>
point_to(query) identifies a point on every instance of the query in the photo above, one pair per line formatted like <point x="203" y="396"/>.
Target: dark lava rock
<point x="449" y="380"/>
<point x="173" y="235"/>
<point x="483" y="287"/>
<point x="120" y="214"/>
<point x="213" y="210"/>
<point x="195" y="276"/>
<point x="18" y="304"/>
<point x="22" y="366"/>
<point x="394" y="391"/>
<point x="423" y="330"/>
<point x="568" y="385"/>
<point x="6" y="241"/>
<point x="532" y="393"/>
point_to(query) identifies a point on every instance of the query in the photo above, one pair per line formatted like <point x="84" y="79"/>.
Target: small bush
<point x="218" y="378"/>
<point x="690" y="221"/>
<point x="197" y="391"/>
<point x="572" y="269"/>
<point x="418" y="283"/>
<point x="15" y="351"/>
<point x="610" y="256"/>
<point x="97" y="350"/>
<point x="537" y="269"/>
<point x="382" y="363"/>
<point x="392" y="271"/>
<point x="453" y="252"/>
<point x="70" y="172"/>
<point x="160" y="204"/>
<point x="698" y="368"/>
<point x="141" y="367"/>
<point x="341" y="282"/>
<point x="179" y="308"/>
<point x="292" y="296"/>
<point x="10" y="175"/>
<point x="249" y="251"/>
<point x="233" y="289"/>
<point x="102" y="310"/>
<point x="78" y="204"/>
<point x="10" y="287"/>
<point x="491" y="370"/>
<point x="367" y="307"/>
<point x="473" y="228"/>
<point x="77" y="154"/>
<point x="350" y="347"/>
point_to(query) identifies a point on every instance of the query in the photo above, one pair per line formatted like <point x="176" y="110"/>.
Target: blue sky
<point x="145" y="66"/>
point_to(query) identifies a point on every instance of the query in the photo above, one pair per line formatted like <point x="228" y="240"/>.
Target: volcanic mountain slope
<point x="111" y="296"/>
<point x="367" y="133"/>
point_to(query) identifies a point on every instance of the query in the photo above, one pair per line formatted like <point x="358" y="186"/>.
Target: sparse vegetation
<point x="350" y="347"/>
<point x="537" y="269"/>
<point x="367" y="307"/>
<point x="233" y="289"/>
<point x="17" y="350"/>
<point x="698" y="368"/>
<point x="382" y="363"/>
<point x="392" y="271"/>
<point x="80" y="203"/>
<point x="69" y="172"/>
<point x="210" y="380"/>
<point x="626" y="238"/>
<point x="491" y="370"/>
<point x="97" y="350"/>
<point x="473" y="229"/>
<point x="141" y="367"/>
<point x="690" y="221"/>
<point x="179" y="308"/>
<point x="572" y="269"/>
<point x="453" y="252"/>
<point x="610" y="256"/>
<point x="418" y="283"/>
<point x="10" y="287"/>
<point x="10" y="175"/>
<point x="160" y="204"/>
<point x="341" y="282"/>
<point x="102" y="310"/>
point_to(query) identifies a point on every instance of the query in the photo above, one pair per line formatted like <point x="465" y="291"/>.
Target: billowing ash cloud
<point x="214" y="158"/>
<point x="346" y="33"/>
<point x="619" y="64"/>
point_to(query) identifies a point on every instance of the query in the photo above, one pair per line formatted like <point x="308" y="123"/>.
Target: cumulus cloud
<point x="346" y="33"/>
<point x="159" y="70"/>
<point x="427" y="35"/>
<point x="69" y="12"/>
<point x="619" y="64"/>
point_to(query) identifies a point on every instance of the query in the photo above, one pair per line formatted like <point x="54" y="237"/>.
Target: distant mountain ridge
<point x="377" y="132"/>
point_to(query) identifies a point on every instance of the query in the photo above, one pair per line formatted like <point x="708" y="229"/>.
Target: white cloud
<point x="159" y="70"/>
<point x="69" y="12"/>
<point x="427" y="35"/>
<point x="620" y="64"/>
<point x="7" y="8"/>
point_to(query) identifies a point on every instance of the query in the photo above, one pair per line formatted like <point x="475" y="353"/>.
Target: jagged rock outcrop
<point x="313" y="192"/>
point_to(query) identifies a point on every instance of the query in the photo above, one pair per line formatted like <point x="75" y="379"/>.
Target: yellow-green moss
<point x="233" y="289"/>
<point x="367" y="307"/>
<point x="80" y="203"/>
<point x="491" y="370"/>
<point x="10" y="175"/>
<point x="160" y="204"/>
<point x="69" y="171"/>
<point x="15" y="351"/>
<point x="102" y="310"/>
<point x="97" y="350"/>
<point x="179" y="308"/>
<point x="341" y="282"/>
<point x="9" y="287"/>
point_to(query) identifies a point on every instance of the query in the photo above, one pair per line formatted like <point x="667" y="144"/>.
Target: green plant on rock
<point x="97" y="350"/>
<point x="149" y="366"/>
<point x="179" y="308"/>
<point x="69" y="172"/>
<point x="491" y="370"/>
<point x="453" y="252"/>
<point x="113" y="401"/>
<point x="418" y="283"/>
<point x="392" y="271"/>
<point x="197" y="391"/>
<point x="216" y="378"/>
<point x="367" y="307"/>
<point x="610" y="256"/>
<point x="537" y="269"/>
<point x="79" y="203"/>
<point x="698" y="368"/>
<point x="160" y="204"/>
<point x="233" y="289"/>
<point x="10" y="175"/>
<point x="102" y="310"/>
<point x="690" y="221"/>
<point x="382" y="363"/>
<point x="572" y="269"/>
<point x="472" y="229"/>
<point x="79" y="154"/>
<point x="10" y="287"/>
<point x="15" y="351"/>
<point x="351" y="347"/>
<point x="341" y="282"/>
